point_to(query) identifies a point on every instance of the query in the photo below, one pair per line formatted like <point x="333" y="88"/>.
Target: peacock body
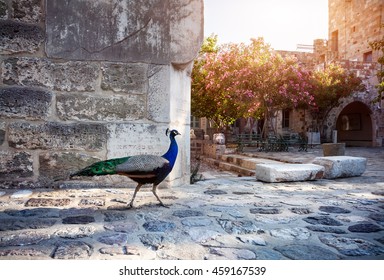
<point x="143" y="169"/>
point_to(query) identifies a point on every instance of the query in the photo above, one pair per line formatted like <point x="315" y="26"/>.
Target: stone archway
<point x="354" y="125"/>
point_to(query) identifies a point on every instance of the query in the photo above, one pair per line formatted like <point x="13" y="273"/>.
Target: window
<point x="367" y="57"/>
<point x="285" y="121"/>
<point x="335" y="41"/>
<point x="195" y="122"/>
<point x="351" y="122"/>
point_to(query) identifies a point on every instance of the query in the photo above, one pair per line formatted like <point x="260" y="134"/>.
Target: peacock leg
<point x="134" y="194"/>
<point x="154" y="192"/>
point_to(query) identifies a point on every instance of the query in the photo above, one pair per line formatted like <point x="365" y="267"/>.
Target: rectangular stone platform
<point x="341" y="166"/>
<point x="286" y="172"/>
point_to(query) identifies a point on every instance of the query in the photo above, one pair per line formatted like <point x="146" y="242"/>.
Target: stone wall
<point x="355" y="23"/>
<point x="352" y="25"/>
<point x="82" y="81"/>
<point x="367" y="72"/>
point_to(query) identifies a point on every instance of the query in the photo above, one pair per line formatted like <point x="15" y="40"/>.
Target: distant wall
<point x="82" y="81"/>
<point x="351" y="25"/>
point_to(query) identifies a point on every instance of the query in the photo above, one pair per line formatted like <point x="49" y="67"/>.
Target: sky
<point x="283" y="23"/>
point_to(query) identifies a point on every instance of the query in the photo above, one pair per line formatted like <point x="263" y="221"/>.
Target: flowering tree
<point x="330" y="85"/>
<point x="269" y="82"/>
<point x="240" y="80"/>
<point x="208" y="101"/>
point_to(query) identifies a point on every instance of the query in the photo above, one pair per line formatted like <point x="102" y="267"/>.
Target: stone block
<point x="52" y="135"/>
<point x="26" y="183"/>
<point x="125" y="78"/>
<point x="180" y="96"/>
<point x="213" y="150"/>
<point x="159" y="32"/>
<point x="341" y="166"/>
<point x="159" y="106"/>
<point x="101" y="108"/>
<point x="32" y="71"/>
<point x="3" y="9"/>
<point x="24" y="238"/>
<point x="15" y="165"/>
<point x="134" y="139"/>
<point x="27" y="10"/>
<point x="55" y="165"/>
<point x="2" y="133"/>
<point x="16" y="102"/>
<point x="19" y="37"/>
<point x="186" y="29"/>
<point x="285" y="172"/>
<point x="333" y="149"/>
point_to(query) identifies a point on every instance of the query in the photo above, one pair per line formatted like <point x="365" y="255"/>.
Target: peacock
<point x="143" y="169"/>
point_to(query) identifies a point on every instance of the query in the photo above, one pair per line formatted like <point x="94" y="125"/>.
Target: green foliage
<point x="330" y="85"/>
<point x="379" y="46"/>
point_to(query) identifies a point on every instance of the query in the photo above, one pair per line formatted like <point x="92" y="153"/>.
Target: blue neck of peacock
<point x="171" y="154"/>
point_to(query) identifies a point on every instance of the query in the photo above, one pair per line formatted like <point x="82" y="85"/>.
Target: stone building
<point x="82" y="81"/>
<point x="352" y="25"/>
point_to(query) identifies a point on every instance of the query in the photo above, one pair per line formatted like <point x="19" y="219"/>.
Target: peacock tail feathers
<point x="106" y="167"/>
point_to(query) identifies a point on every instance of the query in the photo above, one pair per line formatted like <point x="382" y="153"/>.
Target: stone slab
<point x="285" y="172"/>
<point x="156" y="31"/>
<point x="17" y="102"/>
<point x="67" y="76"/>
<point x="55" y="135"/>
<point x="100" y="108"/>
<point x="58" y="165"/>
<point x="125" y="78"/>
<point x="27" y="11"/>
<point x="19" y="37"/>
<point x="15" y="164"/>
<point x="341" y="166"/>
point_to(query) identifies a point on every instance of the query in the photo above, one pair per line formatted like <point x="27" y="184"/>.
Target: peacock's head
<point x="172" y="133"/>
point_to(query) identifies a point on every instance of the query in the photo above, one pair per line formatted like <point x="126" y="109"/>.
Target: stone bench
<point x="286" y="172"/>
<point x="341" y="166"/>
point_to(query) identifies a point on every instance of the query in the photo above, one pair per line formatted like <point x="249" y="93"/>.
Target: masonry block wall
<point x="82" y="81"/>
<point x="352" y="24"/>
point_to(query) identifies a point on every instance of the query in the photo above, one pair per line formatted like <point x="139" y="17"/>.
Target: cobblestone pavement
<point x="221" y="217"/>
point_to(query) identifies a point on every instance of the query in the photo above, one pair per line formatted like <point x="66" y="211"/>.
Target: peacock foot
<point x="164" y="205"/>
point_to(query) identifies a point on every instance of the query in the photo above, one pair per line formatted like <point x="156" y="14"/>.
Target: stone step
<point x="288" y="172"/>
<point x="342" y="166"/>
<point x="244" y="161"/>
<point x="227" y="166"/>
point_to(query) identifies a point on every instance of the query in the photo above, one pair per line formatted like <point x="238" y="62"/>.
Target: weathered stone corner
<point x="342" y="166"/>
<point x="102" y="79"/>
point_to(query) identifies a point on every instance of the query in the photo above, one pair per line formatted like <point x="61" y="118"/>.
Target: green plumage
<point x="106" y="167"/>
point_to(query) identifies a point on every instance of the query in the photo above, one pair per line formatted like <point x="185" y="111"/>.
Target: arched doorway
<point x="354" y="125"/>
